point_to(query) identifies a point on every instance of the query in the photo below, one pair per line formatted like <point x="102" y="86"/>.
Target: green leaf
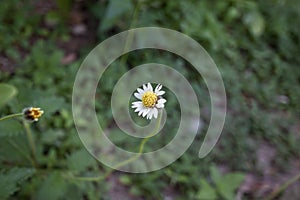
<point x="51" y="136"/>
<point x="50" y="104"/>
<point x="11" y="179"/>
<point x="80" y="160"/>
<point x="215" y="173"/>
<point x="206" y="192"/>
<point x="53" y="187"/>
<point x="116" y="8"/>
<point x="255" y="23"/>
<point x="10" y="128"/>
<point x="52" y="18"/>
<point x="15" y="150"/>
<point x="125" y="179"/>
<point x="7" y="92"/>
<point x="228" y="184"/>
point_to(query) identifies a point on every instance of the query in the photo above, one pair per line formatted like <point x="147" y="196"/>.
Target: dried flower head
<point x="32" y="114"/>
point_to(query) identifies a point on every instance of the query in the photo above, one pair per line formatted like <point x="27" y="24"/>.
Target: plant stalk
<point x="11" y="116"/>
<point x="125" y="162"/>
<point x="30" y="142"/>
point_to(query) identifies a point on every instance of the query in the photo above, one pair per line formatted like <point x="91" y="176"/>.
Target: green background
<point x="256" y="46"/>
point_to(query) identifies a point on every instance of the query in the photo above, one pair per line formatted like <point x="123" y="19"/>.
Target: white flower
<point x="151" y="101"/>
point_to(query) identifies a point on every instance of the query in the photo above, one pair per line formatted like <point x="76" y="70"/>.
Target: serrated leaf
<point x="7" y="92"/>
<point x="10" y="128"/>
<point x="10" y="180"/>
<point x="80" y="160"/>
<point x="206" y="191"/>
<point x="53" y="187"/>
<point x="228" y="184"/>
<point x="14" y="150"/>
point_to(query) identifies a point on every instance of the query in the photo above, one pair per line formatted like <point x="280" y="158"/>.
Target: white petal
<point x="145" y="87"/>
<point x="155" y="112"/>
<point x="138" y="109"/>
<point x="160" y="101"/>
<point x="146" y="112"/>
<point x="159" y="93"/>
<point x="141" y="112"/>
<point x="158" y="87"/>
<point x="150" y="87"/>
<point x="160" y="105"/>
<point x="136" y="104"/>
<point x="140" y="90"/>
<point x="138" y="95"/>
<point x="149" y="115"/>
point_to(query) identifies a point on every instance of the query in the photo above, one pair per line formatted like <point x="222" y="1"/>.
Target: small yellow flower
<point x="32" y="114"/>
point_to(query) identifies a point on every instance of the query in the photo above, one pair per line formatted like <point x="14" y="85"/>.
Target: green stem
<point x="29" y="136"/>
<point x="97" y="178"/>
<point x="30" y="142"/>
<point x="125" y="162"/>
<point x="11" y="116"/>
<point x="141" y="145"/>
<point x="129" y="38"/>
<point x="283" y="187"/>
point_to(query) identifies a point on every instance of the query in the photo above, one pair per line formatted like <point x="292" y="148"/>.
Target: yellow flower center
<point x="149" y="99"/>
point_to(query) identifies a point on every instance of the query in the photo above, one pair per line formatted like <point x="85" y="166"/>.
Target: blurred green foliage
<point x="253" y="45"/>
<point x="7" y="93"/>
<point x="225" y="186"/>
